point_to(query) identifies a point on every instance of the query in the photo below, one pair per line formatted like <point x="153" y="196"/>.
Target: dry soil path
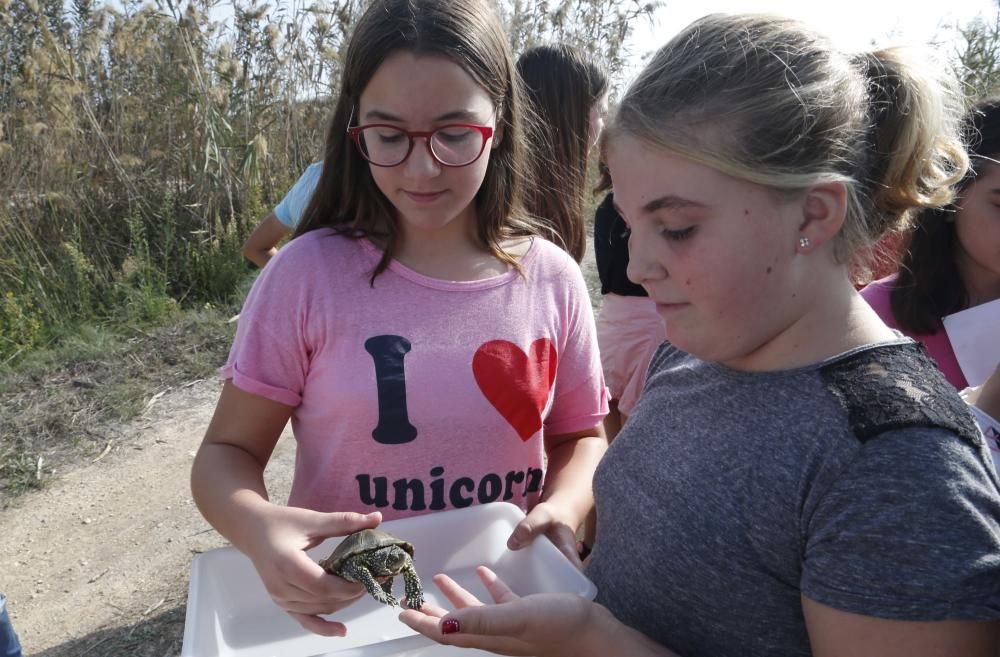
<point x="97" y="563"/>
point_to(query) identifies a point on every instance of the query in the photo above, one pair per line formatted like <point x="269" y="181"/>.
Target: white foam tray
<point x="229" y="613"/>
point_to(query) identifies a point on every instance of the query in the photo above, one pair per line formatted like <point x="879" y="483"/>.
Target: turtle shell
<point x="359" y="542"/>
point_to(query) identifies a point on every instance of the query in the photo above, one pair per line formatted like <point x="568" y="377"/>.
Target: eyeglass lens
<point x="451" y="145"/>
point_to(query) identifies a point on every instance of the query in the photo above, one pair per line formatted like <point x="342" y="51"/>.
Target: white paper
<point x="974" y="334"/>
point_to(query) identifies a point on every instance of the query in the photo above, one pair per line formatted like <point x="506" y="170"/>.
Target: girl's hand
<point x="294" y="581"/>
<point x="546" y="518"/>
<point x="543" y="625"/>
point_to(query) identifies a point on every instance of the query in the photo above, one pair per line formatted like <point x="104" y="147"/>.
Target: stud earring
<point x="803" y="242"/>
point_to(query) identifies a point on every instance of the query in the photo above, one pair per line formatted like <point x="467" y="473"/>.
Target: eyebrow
<point x="461" y="115"/>
<point x="670" y="202"/>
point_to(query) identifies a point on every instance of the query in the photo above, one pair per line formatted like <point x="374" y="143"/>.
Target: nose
<point x="642" y="263"/>
<point x="421" y="164"/>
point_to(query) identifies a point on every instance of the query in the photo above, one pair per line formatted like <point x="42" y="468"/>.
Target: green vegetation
<point x="140" y="143"/>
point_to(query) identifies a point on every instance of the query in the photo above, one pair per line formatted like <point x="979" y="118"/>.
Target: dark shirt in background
<point x="611" y="251"/>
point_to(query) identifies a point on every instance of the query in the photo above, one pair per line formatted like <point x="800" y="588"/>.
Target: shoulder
<point x="877" y="292"/>
<point x="606" y="209"/>
<point x="315" y="250"/>
<point x="667" y="356"/>
<point x="895" y="386"/>
<point x="307" y="182"/>
<point x="312" y="171"/>
<point x="550" y="261"/>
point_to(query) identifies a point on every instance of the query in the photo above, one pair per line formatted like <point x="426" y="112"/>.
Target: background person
<point x="952" y="259"/>
<point x="568" y="99"/>
<point x="9" y="645"/>
<point x="262" y="243"/>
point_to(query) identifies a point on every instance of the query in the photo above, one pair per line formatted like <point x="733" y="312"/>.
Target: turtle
<point x="372" y="554"/>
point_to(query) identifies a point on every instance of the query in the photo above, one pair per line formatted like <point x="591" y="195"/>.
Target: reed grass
<point x="139" y="143"/>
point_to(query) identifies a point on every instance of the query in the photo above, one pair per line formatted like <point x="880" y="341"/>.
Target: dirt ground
<point x="97" y="563"/>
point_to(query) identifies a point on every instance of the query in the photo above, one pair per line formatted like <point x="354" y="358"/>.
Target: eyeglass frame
<point x="354" y="132"/>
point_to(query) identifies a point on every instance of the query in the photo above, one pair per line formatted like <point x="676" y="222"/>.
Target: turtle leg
<point x="414" y="590"/>
<point x="356" y="571"/>
<point x="387" y="586"/>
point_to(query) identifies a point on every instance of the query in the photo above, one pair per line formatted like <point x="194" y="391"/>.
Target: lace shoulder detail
<point x="897" y="386"/>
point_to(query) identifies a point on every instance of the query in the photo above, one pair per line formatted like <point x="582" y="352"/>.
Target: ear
<point x="497" y="135"/>
<point x="823" y="210"/>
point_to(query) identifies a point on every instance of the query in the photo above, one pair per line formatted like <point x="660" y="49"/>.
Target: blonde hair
<point x="768" y="100"/>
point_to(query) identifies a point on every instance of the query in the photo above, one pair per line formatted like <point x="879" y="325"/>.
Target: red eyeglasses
<point x="453" y="145"/>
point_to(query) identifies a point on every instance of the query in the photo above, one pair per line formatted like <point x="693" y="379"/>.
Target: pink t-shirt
<point x="937" y="344"/>
<point x="416" y="394"/>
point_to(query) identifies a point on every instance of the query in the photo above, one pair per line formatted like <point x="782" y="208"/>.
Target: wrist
<point x="599" y="635"/>
<point x="567" y="510"/>
<point x="251" y="534"/>
<point x="989" y="408"/>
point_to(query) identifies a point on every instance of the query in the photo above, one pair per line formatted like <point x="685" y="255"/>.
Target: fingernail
<point x="513" y="543"/>
<point x="449" y="626"/>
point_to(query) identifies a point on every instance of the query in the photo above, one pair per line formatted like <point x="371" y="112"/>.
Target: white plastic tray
<point x="229" y="613"/>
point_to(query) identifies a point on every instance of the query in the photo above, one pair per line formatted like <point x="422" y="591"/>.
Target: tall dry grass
<point x="139" y="143"/>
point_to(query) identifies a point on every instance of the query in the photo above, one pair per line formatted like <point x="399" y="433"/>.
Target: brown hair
<point x="929" y="285"/>
<point x="563" y="85"/>
<point x="469" y="33"/>
<point x="767" y="100"/>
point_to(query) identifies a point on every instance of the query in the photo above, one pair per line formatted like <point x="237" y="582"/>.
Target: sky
<point x="853" y="24"/>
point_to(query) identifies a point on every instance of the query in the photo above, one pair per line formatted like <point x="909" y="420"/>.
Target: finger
<point x="288" y="592"/>
<point x="455" y="593"/>
<point x="315" y="607"/>
<point x="433" y="628"/>
<point x="307" y="575"/>
<point x="526" y="530"/>
<point x="325" y="525"/>
<point x="426" y="624"/>
<point x="496" y="587"/>
<point x="429" y="610"/>
<point x="565" y="541"/>
<point x="318" y="625"/>
<point x="499" y="620"/>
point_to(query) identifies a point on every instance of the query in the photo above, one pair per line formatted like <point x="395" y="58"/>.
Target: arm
<point x="568" y="496"/>
<point x="988" y="398"/>
<point x="228" y="486"/>
<point x="227" y="478"/>
<point x="835" y="633"/>
<point x="263" y="241"/>
<point x="544" y="625"/>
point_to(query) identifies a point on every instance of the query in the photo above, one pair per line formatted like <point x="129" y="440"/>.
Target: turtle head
<point x="388" y="560"/>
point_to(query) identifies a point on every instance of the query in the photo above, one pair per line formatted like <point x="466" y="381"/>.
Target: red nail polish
<point x="449" y="626"/>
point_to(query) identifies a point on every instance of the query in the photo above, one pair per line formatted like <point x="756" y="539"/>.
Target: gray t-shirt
<point x="861" y="483"/>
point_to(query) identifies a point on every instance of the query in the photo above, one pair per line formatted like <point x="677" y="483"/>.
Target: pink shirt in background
<point x="415" y="394"/>
<point x="937" y="344"/>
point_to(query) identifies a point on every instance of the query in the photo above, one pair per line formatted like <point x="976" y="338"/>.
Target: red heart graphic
<point x="516" y="383"/>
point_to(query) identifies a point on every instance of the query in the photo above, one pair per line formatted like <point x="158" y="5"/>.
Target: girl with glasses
<point x="431" y="351"/>
<point x="567" y="99"/>
<point x="797" y="478"/>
